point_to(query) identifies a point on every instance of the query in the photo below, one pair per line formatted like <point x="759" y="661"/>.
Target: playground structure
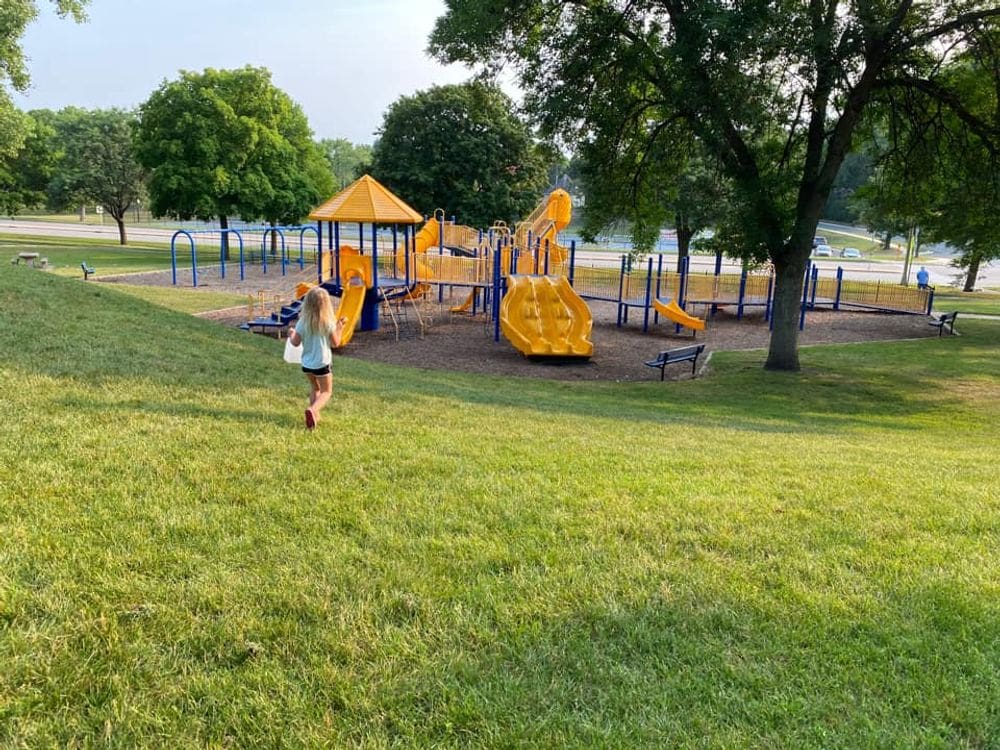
<point x="528" y="286"/>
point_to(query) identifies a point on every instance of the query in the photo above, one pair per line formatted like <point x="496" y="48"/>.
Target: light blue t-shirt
<point x="315" y="348"/>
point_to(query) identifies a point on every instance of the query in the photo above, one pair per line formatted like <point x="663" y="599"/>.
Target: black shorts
<point x="317" y="371"/>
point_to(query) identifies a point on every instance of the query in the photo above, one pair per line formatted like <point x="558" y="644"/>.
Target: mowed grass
<point x="183" y="299"/>
<point x="65" y="254"/>
<point x="746" y="560"/>
<point x="982" y="303"/>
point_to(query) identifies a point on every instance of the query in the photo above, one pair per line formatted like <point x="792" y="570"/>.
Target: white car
<point x="823" y="251"/>
<point x="850" y="252"/>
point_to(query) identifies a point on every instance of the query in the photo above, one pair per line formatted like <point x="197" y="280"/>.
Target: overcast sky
<point x="344" y="61"/>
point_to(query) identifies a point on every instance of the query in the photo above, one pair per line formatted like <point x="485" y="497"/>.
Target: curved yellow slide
<point x="674" y="312"/>
<point x="545" y="317"/>
<point x="355" y="270"/>
<point x="351" y="302"/>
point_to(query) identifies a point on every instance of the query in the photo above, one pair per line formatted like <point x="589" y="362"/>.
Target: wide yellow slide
<point x="674" y="312"/>
<point x="545" y="317"/>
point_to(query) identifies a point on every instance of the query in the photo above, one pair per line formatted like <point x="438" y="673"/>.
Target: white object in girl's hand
<point x="293" y="354"/>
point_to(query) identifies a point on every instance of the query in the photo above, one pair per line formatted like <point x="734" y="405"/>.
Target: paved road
<point x="57" y="229"/>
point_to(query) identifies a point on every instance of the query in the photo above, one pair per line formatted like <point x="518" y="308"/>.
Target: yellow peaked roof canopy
<point x="366" y="200"/>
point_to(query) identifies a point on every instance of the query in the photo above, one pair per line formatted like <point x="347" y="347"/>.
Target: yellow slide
<point x="673" y="311"/>
<point x="544" y="317"/>
<point x="467" y="304"/>
<point x="355" y="270"/>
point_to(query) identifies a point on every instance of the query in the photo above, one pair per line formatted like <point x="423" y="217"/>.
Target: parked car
<point x="817" y="241"/>
<point x="850" y="252"/>
<point x="823" y="251"/>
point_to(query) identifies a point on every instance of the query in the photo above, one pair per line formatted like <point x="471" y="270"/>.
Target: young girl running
<point x="316" y="331"/>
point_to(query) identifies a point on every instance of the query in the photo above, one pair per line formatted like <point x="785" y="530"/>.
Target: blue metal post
<point x="930" y="301"/>
<point x="682" y="288"/>
<point x="621" y="289"/>
<point x="395" y="250"/>
<point x="440" y="255"/>
<point x="319" y="253"/>
<point x="374" y="258"/>
<point x="361" y="238"/>
<point x="496" y="295"/>
<point x="718" y="263"/>
<point x="572" y="260"/>
<point x="263" y="252"/>
<point x="329" y="237"/>
<point x="743" y="291"/>
<point x="239" y="236"/>
<point x="649" y="288"/>
<point x="815" y="283"/>
<point x="546" y="257"/>
<point x="222" y="252"/>
<point x="336" y="251"/>
<point x="194" y="263"/>
<point x="805" y="296"/>
<point x="659" y="279"/>
<point x="770" y="292"/>
<point x="406" y="253"/>
<point x="840" y="283"/>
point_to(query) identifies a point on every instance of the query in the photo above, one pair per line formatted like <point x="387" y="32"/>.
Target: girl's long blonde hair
<point x="317" y="311"/>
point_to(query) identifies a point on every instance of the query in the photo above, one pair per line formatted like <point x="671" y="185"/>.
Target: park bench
<point x="945" y="322"/>
<point x="87" y="270"/>
<point x="671" y="356"/>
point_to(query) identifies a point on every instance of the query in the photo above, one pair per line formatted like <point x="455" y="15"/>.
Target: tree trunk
<point x="887" y="242"/>
<point x="684" y="235"/>
<point x="83" y="212"/>
<point x="122" y="237"/>
<point x="972" y="274"/>
<point x="224" y="224"/>
<point x="783" y="353"/>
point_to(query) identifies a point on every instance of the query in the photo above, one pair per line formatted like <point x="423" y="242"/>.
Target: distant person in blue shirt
<point x="922" y="278"/>
<point x="316" y="331"/>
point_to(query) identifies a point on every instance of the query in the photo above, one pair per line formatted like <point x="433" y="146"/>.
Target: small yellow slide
<point x="351" y="302"/>
<point x="673" y="311"/>
<point x="545" y="317"/>
<point x="355" y="271"/>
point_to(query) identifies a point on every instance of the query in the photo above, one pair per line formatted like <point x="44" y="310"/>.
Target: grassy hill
<point x="748" y="560"/>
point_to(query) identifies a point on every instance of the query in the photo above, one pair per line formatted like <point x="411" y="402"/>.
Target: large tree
<point x="15" y="15"/>
<point x="25" y="176"/>
<point x="98" y="163"/>
<point x="773" y="90"/>
<point x="347" y="160"/>
<point x="461" y="148"/>
<point x="935" y="175"/>
<point x="226" y="143"/>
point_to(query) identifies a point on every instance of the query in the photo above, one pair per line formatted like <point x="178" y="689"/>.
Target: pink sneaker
<point x="310" y="419"/>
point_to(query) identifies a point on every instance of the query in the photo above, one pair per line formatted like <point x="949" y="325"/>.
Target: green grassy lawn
<point x="746" y="560"/>
<point x="183" y="299"/>
<point x="106" y="258"/>
<point x="949" y="300"/>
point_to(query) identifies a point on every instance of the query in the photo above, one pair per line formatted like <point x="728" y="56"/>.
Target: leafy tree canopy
<point x="15" y="15"/>
<point x="227" y="143"/>
<point x="461" y="148"/>
<point x="98" y="163"/>
<point x="936" y="174"/>
<point x="25" y="177"/>
<point x="347" y="160"/>
<point x="774" y="92"/>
